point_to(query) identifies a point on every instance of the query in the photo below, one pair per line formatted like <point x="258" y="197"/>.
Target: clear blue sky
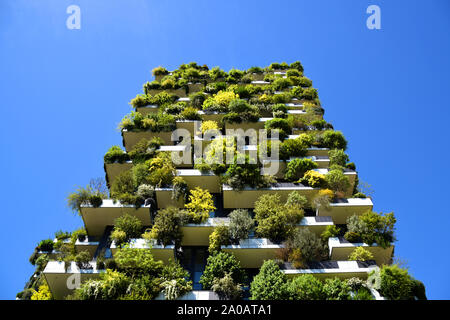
<point x="63" y="92"/>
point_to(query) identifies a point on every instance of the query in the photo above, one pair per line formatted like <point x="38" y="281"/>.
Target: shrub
<point x="137" y="262"/>
<point x="118" y="236"/>
<point x="359" y="195"/>
<point x="296" y="168"/>
<point x="305" y="287"/>
<point x="309" y="245"/>
<point x="309" y="94"/>
<point x="159" y="71"/>
<point x="131" y="225"/>
<point x="190" y="113"/>
<point x="115" y="154"/>
<point x="293" y="73"/>
<point x="46" y="245"/>
<point x="216" y="73"/>
<point x="333" y="140"/>
<point x="220" y="101"/>
<point x="175" y="284"/>
<point x="313" y="179"/>
<point x="91" y="195"/>
<point x="180" y="188"/>
<point x="226" y="288"/>
<point x="238" y="176"/>
<point x="255" y="70"/>
<point x="82" y="260"/>
<point x="396" y="283"/>
<point x="167" y="226"/>
<point x="371" y="227"/>
<point x="241" y="111"/>
<point x="43" y="293"/>
<point x="162" y="170"/>
<point x="305" y="82"/>
<point x="363" y="293"/>
<point x="336" y="289"/>
<point x="337" y="181"/>
<point x="297" y="147"/>
<point x="41" y="262"/>
<point x="219" y="237"/>
<point x="241" y="223"/>
<point x="144" y="150"/>
<point x="360" y="254"/>
<point x="280" y="124"/>
<point x="275" y="220"/>
<point x="200" y="205"/>
<point x="270" y="283"/>
<point x="281" y="83"/>
<point x="330" y="232"/>
<point x="296" y="65"/>
<point x="209" y="125"/>
<point x="218" y="265"/>
<point x="338" y="157"/>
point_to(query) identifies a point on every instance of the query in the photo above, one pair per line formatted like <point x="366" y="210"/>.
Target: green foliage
<point x="305" y="287"/>
<point x="371" y="228"/>
<point x="275" y="220"/>
<point x="226" y="288"/>
<point x="200" y="205"/>
<point x="329" y="232"/>
<point x="282" y="125"/>
<point x="93" y="195"/>
<point x="337" y="181"/>
<point x="296" y="168"/>
<point x="396" y="283"/>
<point x="360" y="254"/>
<point x="240" y="175"/>
<point x="43" y="293"/>
<point x="333" y="140"/>
<point x="180" y="189"/>
<point x="46" y="245"/>
<point x="338" y="156"/>
<point x="190" y="113"/>
<point x="167" y="226"/>
<point x="135" y="262"/>
<point x="115" y="154"/>
<point x="144" y="150"/>
<point x="41" y="262"/>
<point x="310" y="246"/>
<point x="82" y="259"/>
<point x="314" y="179"/>
<point x="270" y="283"/>
<point x="281" y="83"/>
<point x="217" y="73"/>
<point x="297" y="147"/>
<point x="309" y="93"/>
<point x="241" y="223"/>
<point x="174" y="283"/>
<point x="336" y="289"/>
<point x="219" y="237"/>
<point x="129" y="224"/>
<point x="218" y="265"/>
<point x="110" y="286"/>
<point x="159" y="71"/>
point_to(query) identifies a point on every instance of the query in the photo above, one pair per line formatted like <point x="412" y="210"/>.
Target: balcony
<point x="131" y="138"/>
<point x="340" y="249"/>
<point x="331" y="269"/>
<point x="96" y="219"/>
<point x="316" y="224"/>
<point x="164" y="198"/>
<point x="198" y="234"/>
<point x="247" y="197"/>
<point x="340" y="210"/>
<point x="251" y="253"/>
<point x="322" y="163"/>
<point x="195" y="178"/>
<point x="61" y="281"/>
<point x="160" y="252"/>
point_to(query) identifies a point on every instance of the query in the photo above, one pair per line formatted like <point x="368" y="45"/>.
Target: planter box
<point x="260" y="83"/>
<point x="88" y="245"/>
<point x="160" y="252"/>
<point x="180" y="92"/>
<point x="316" y="224"/>
<point x="198" y="234"/>
<point x="213" y="116"/>
<point x="191" y="125"/>
<point x="294" y="106"/>
<point x="247" y="125"/>
<point x="345" y="208"/>
<point x="195" y="87"/>
<point x="351" y="177"/>
<point x="318" y="152"/>
<point x="164" y="199"/>
<point x="96" y="219"/>
<point x="112" y="170"/>
<point x="251" y="253"/>
<point x="282" y="165"/>
<point x="258" y="76"/>
<point x="332" y="269"/>
<point x="130" y="138"/>
<point x="206" y="180"/>
<point x="246" y="198"/>
<point x="340" y="249"/>
<point x="57" y="276"/>
<point x="148" y="109"/>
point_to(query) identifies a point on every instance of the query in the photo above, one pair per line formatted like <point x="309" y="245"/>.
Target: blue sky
<point x="63" y="92"/>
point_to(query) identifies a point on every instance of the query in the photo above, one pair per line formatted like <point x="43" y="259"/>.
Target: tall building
<point x="223" y="173"/>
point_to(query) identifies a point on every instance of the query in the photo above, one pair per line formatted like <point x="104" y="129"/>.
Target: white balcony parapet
<point x="194" y="295"/>
<point x="254" y="243"/>
<point x="144" y="244"/>
<point x="344" y="267"/>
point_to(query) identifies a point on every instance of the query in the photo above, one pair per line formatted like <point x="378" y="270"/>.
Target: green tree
<point x="336" y="289"/>
<point x="396" y="283"/>
<point x="241" y="223"/>
<point x="296" y="168"/>
<point x="218" y="265"/>
<point x="305" y="287"/>
<point x="270" y="283"/>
